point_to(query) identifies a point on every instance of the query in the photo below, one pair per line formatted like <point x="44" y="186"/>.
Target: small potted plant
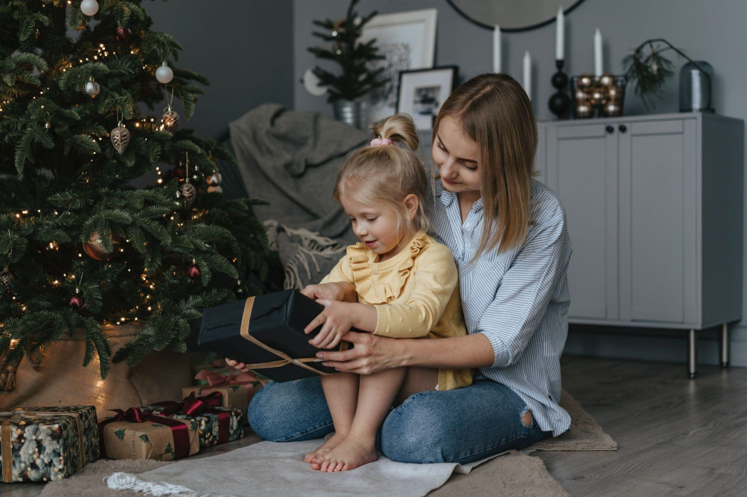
<point x="346" y="90"/>
<point x="648" y="71"/>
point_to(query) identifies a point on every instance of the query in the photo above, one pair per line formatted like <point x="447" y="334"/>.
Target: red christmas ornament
<point x="178" y="172"/>
<point x="194" y="270"/>
<point x="76" y="301"/>
<point x="123" y="33"/>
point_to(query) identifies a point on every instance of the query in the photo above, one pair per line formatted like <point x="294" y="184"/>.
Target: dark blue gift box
<point x="277" y="321"/>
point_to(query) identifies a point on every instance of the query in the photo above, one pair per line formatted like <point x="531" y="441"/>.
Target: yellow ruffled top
<point x="416" y="294"/>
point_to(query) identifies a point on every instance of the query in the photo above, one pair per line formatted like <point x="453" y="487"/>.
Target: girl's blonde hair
<point x="384" y="175"/>
<point x="494" y="110"/>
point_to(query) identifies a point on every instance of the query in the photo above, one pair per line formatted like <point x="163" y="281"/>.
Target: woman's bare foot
<point x="350" y="454"/>
<point x="328" y="445"/>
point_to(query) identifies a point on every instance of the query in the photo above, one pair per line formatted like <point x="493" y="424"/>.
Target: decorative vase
<point x="696" y="93"/>
<point x="354" y="113"/>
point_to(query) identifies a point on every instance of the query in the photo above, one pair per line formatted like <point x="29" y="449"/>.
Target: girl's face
<point x="456" y="156"/>
<point x="377" y="226"/>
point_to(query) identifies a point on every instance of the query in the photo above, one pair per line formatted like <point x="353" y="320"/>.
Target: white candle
<point x="528" y="74"/>
<point x="597" y="53"/>
<point x="497" y="49"/>
<point x="559" y="35"/>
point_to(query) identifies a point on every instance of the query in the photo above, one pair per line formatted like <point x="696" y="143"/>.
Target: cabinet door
<point x="582" y="170"/>
<point x="658" y="216"/>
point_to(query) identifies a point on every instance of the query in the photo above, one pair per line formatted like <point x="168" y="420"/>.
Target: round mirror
<point x="512" y="15"/>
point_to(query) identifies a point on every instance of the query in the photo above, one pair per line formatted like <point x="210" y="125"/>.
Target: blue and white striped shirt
<point x="518" y="299"/>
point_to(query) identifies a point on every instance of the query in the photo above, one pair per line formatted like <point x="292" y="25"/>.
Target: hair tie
<point x="378" y="142"/>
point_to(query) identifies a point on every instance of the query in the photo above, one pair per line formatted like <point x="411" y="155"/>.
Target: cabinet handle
<point x="610" y="128"/>
<point x="623" y="128"/>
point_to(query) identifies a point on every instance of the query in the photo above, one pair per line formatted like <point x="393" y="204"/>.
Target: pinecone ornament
<point x="194" y="270"/>
<point x="123" y="33"/>
<point x="76" y="301"/>
<point x="188" y="193"/>
<point x="170" y="120"/>
<point x="91" y="88"/>
<point x="5" y="278"/>
<point x="120" y="138"/>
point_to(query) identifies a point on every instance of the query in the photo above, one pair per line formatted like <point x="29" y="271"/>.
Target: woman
<point x="509" y="239"/>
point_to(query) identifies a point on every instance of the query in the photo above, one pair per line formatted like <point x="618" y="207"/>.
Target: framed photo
<point x="422" y="92"/>
<point x="407" y="40"/>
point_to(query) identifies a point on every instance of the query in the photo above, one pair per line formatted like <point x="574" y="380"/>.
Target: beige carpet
<point x="513" y="474"/>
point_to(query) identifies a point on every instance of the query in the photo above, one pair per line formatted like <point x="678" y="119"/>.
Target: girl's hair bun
<point x="399" y="128"/>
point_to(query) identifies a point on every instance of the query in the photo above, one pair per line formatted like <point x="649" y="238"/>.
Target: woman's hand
<point x="342" y="291"/>
<point x="237" y="365"/>
<point x="370" y="354"/>
<point x="336" y="319"/>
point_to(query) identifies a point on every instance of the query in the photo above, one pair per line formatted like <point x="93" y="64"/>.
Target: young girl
<point x="406" y="286"/>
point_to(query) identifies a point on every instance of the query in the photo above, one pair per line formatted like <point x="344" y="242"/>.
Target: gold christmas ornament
<point x="91" y="88"/>
<point x="214" y="179"/>
<point x="614" y="93"/>
<point x="613" y="108"/>
<point x="170" y="120"/>
<point x="188" y="193"/>
<point x="583" y="109"/>
<point x="95" y="248"/>
<point x="598" y="95"/>
<point x="585" y="81"/>
<point x="120" y="138"/>
<point x="580" y="94"/>
<point x="607" y="79"/>
<point x="47" y="125"/>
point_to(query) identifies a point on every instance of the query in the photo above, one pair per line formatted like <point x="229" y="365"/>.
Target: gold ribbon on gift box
<point x="8" y="419"/>
<point x="285" y="359"/>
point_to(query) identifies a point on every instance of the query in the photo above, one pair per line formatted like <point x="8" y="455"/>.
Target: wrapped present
<point x="134" y="434"/>
<point x="237" y="389"/>
<point x="47" y="443"/>
<point x="215" y="425"/>
<point x="266" y="334"/>
<point x="217" y="367"/>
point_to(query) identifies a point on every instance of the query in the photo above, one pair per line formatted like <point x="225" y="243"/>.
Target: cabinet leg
<point x="725" y="345"/>
<point x="692" y="354"/>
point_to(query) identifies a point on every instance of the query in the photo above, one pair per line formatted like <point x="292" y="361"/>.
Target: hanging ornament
<point x="95" y="247"/>
<point x="178" y="172"/>
<point x="120" y="137"/>
<point x="164" y="74"/>
<point x="194" y="270"/>
<point x="91" y="88"/>
<point x="170" y="119"/>
<point x="123" y="33"/>
<point x="214" y="181"/>
<point x="187" y="190"/>
<point x="89" y="7"/>
<point x="47" y="125"/>
<point x="76" y="301"/>
<point x="5" y="278"/>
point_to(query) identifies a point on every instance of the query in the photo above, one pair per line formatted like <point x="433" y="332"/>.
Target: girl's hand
<point x="370" y="354"/>
<point x="336" y="319"/>
<point x="344" y="292"/>
<point x="237" y="365"/>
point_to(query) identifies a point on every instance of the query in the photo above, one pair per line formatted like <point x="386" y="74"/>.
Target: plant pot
<point x="354" y="113"/>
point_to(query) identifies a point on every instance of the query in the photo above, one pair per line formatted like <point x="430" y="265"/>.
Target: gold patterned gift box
<point x="215" y="425"/>
<point x="47" y="443"/>
<point x="134" y="434"/>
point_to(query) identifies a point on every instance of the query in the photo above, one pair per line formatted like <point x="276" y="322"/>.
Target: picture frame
<point x="407" y="40"/>
<point x="421" y="92"/>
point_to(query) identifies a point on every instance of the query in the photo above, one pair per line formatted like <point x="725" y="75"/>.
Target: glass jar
<point x="696" y="90"/>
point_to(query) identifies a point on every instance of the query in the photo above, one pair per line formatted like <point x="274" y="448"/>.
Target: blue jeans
<point x="462" y="425"/>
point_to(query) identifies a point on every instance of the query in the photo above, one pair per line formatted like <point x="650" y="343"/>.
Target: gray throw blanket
<point x="291" y="159"/>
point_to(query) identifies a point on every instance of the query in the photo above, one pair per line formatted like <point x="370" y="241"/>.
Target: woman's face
<point x="456" y="156"/>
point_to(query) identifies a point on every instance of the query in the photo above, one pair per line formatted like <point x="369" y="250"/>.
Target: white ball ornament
<point x="164" y="74"/>
<point x="89" y="7"/>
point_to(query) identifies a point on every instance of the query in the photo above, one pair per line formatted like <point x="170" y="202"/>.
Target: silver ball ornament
<point x="89" y="7"/>
<point x="91" y="88"/>
<point x="170" y="120"/>
<point x="164" y="74"/>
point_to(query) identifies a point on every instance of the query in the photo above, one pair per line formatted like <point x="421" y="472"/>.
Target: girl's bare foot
<point x="350" y="454"/>
<point x="330" y="444"/>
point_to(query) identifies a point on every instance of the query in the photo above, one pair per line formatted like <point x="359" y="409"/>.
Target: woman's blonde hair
<point x="384" y="175"/>
<point x="494" y="110"/>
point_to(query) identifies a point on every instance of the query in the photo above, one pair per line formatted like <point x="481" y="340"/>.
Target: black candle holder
<point x="560" y="101"/>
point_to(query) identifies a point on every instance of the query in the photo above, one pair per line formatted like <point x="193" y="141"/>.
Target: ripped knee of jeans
<point x="526" y="418"/>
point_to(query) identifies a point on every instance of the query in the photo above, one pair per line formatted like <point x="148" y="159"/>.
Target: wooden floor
<point x="677" y="437"/>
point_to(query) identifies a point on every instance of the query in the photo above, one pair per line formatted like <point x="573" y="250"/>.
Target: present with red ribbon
<point x="138" y="434"/>
<point x="237" y="388"/>
<point x="215" y="425"/>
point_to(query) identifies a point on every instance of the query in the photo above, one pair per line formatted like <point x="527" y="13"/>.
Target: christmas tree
<point x="79" y="246"/>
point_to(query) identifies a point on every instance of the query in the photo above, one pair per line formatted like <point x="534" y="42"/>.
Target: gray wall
<point x="711" y="30"/>
<point x="244" y="47"/>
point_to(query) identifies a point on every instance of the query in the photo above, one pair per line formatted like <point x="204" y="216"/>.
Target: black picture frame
<point x="404" y="74"/>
